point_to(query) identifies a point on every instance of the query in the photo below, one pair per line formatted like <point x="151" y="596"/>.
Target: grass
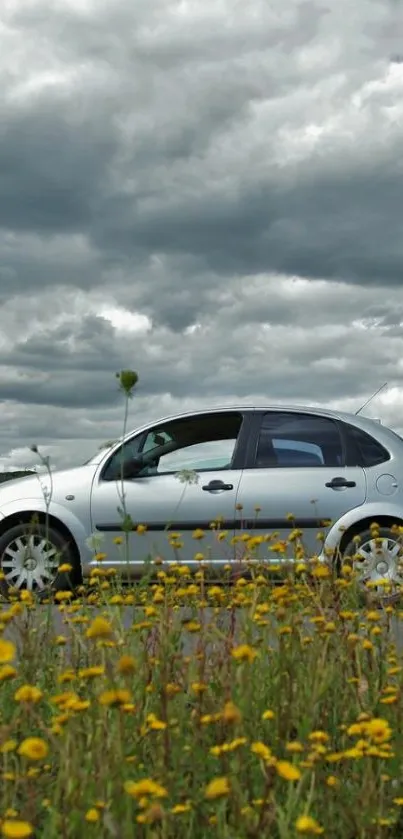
<point x="236" y="711"/>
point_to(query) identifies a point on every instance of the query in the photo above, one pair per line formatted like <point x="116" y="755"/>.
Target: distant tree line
<point x="9" y="476"/>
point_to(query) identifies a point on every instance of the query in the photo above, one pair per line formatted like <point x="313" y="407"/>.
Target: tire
<point x="382" y="561"/>
<point x="43" y="577"/>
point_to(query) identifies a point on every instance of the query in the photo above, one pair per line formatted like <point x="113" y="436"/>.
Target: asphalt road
<point x="48" y="621"/>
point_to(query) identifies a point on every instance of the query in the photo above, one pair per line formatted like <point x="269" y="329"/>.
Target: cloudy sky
<point x="207" y="191"/>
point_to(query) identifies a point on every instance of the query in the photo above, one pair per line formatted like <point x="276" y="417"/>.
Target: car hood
<point x="59" y="484"/>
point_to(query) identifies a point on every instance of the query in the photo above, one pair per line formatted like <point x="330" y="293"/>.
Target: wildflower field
<point x="182" y="708"/>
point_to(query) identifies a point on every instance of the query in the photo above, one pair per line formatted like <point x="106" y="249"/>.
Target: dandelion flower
<point x="7" y="671"/>
<point x="262" y="751"/>
<point x="34" y="748"/>
<point x="114" y="698"/>
<point x="178" y="809"/>
<point x="308" y="825"/>
<point x="8" y="746"/>
<point x="92" y="815"/>
<point x="126" y="665"/>
<point x="378" y="730"/>
<point x="28" y="693"/>
<point x="217" y="788"/>
<point x="91" y="672"/>
<point x="15" y="829"/>
<point x="244" y="653"/>
<point x="145" y="788"/>
<point x="288" y="771"/>
<point x="7" y="651"/>
<point x="99" y="628"/>
<point x="231" y="714"/>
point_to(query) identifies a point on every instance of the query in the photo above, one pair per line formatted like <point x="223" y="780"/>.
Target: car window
<point x="369" y="451"/>
<point x="200" y="442"/>
<point x="291" y="452"/>
<point x="213" y="454"/>
<point x="298" y="440"/>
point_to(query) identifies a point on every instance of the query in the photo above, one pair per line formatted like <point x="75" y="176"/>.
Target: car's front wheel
<point x="377" y="560"/>
<point x="30" y="559"/>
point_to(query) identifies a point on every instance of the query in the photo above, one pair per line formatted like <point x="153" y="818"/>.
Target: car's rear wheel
<point x="30" y="558"/>
<point x="376" y="559"/>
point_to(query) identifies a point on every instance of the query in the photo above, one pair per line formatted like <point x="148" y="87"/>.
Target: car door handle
<point x="217" y="485"/>
<point x="340" y="483"/>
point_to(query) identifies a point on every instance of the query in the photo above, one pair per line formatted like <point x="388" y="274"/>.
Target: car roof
<point x="332" y="413"/>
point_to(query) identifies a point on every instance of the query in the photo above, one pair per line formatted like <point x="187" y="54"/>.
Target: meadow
<point x="182" y="708"/>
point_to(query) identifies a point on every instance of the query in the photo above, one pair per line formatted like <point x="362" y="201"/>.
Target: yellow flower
<point x="116" y="600"/>
<point x="199" y="687"/>
<point x="7" y="651"/>
<point x="378" y="730"/>
<point x="288" y="771"/>
<point x="192" y="626"/>
<point x="318" y="737"/>
<point x="92" y="815"/>
<point x="268" y="715"/>
<point x="65" y="568"/>
<point x="91" y="672"/>
<point x="332" y="781"/>
<point x="306" y="824"/>
<point x="145" y="788"/>
<point x="231" y="713"/>
<point x="217" y="788"/>
<point x="294" y="747"/>
<point x="60" y="596"/>
<point x="100" y="628"/>
<point x="7" y="671"/>
<point x="198" y="533"/>
<point x="15" y="829"/>
<point x="8" y="746"/>
<point x="321" y="572"/>
<point x="373" y="616"/>
<point x="28" y="693"/>
<point x="141" y="528"/>
<point x="244" y="653"/>
<point x="114" y="698"/>
<point x="398" y="802"/>
<point x="34" y="748"/>
<point x="155" y="724"/>
<point x="261" y="750"/>
<point x="126" y="665"/>
<point x="177" y="809"/>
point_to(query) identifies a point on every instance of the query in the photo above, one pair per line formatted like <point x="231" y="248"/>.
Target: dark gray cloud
<point x="230" y="172"/>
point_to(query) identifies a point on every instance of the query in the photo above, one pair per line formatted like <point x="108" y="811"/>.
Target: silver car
<point x="247" y="467"/>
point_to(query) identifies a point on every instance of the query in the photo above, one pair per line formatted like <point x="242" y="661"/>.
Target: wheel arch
<point x="364" y="524"/>
<point x="52" y="521"/>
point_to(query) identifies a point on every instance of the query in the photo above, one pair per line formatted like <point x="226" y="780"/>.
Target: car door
<point x="191" y="479"/>
<point x="296" y="468"/>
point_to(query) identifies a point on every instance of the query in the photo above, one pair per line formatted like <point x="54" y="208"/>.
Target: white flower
<point x="187" y="476"/>
<point x="95" y="541"/>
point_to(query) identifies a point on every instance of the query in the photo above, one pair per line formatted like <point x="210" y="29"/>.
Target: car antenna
<point x="385" y="384"/>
